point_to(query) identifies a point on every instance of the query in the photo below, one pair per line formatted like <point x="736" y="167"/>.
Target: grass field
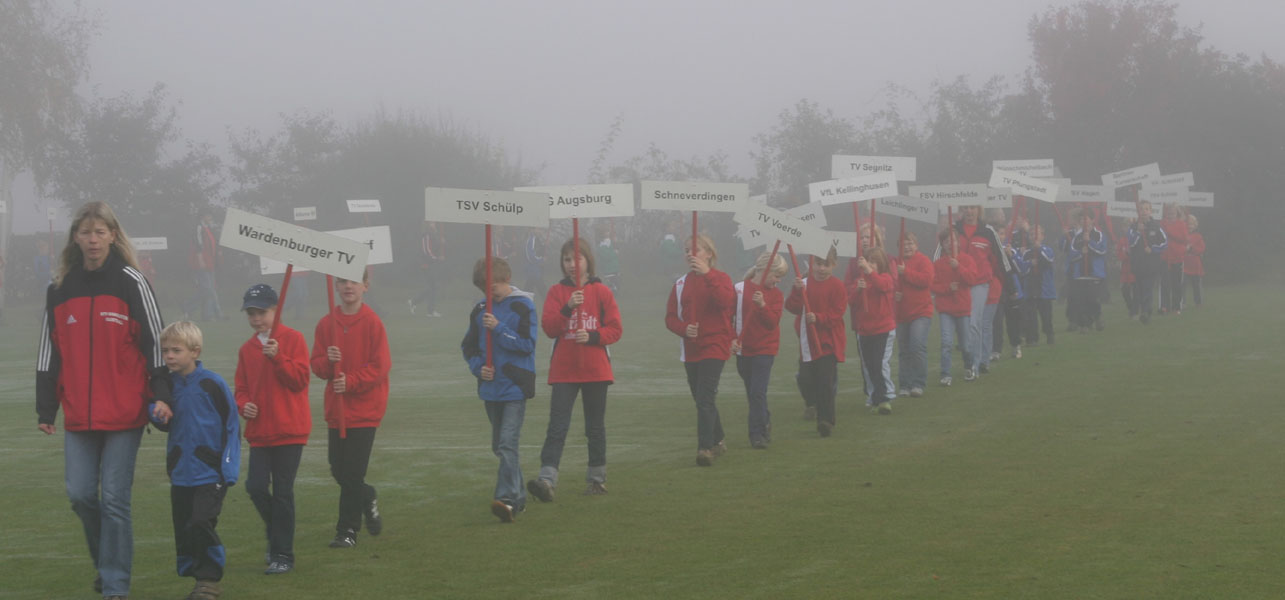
<point x="1140" y="462"/>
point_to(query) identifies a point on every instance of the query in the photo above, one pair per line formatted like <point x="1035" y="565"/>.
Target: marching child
<point x="1175" y="226"/>
<point x="272" y="394"/>
<point x="509" y="381"/>
<point x="758" y="323"/>
<point x="350" y="352"/>
<point x="914" y="316"/>
<point x="203" y="456"/>
<point x="1040" y="286"/>
<point x="1127" y="280"/>
<point x="1086" y="250"/>
<point x="700" y="310"/>
<point x="1193" y="268"/>
<point x="818" y="368"/>
<point x="582" y="318"/>
<point x="872" y="294"/>
<point x="1147" y="243"/>
<point x="953" y="277"/>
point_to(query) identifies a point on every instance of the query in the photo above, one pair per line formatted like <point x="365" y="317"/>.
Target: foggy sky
<point x="547" y="78"/>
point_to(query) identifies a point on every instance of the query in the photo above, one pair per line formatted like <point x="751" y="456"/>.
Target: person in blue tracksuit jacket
<point x="1086" y="252"/>
<point x="1035" y="266"/>
<point x="509" y="382"/>
<point x="202" y="455"/>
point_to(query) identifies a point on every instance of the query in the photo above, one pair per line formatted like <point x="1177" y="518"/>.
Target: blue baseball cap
<point x="260" y="295"/>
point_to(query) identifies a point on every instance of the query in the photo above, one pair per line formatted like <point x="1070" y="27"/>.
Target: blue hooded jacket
<point x="204" y="444"/>
<point x="1035" y="265"/>
<point x="1097" y="249"/>
<point x="514" y="354"/>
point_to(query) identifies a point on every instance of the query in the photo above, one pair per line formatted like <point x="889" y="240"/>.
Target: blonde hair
<point x="71" y="254"/>
<point x="708" y="244"/>
<point x="778" y="267"/>
<point x="1192" y="222"/>
<point x="877" y="257"/>
<point x="183" y="332"/>
<point x="500" y="273"/>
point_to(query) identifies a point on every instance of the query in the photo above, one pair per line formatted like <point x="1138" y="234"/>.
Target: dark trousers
<point x="270" y="483"/>
<point x="1082" y="306"/>
<point x="428" y="294"/>
<point x="1127" y="292"/>
<point x="756" y="372"/>
<point x="1012" y="310"/>
<point x="1037" y="315"/>
<point x="1171" y="287"/>
<point x="873" y="350"/>
<point x="1144" y="290"/>
<point x="349" y="458"/>
<point x="561" y="404"/>
<point x="702" y="378"/>
<point x="1195" y="288"/>
<point x="817" y="381"/>
<point x="997" y="326"/>
<point x="196" y="513"/>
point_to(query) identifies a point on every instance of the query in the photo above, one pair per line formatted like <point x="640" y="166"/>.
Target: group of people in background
<point x="977" y="281"/>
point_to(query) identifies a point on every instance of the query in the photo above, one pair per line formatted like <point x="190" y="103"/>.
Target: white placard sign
<point x="1182" y="180"/>
<point x="811" y="213"/>
<point x="843" y="242"/>
<point x="305" y="213"/>
<point x="915" y="209"/>
<point x="1035" y="167"/>
<point x="843" y="166"/>
<point x="1165" y="195"/>
<point x="587" y="201"/>
<point x="750" y="238"/>
<point x="1126" y="177"/>
<point x="378" y="240"/>
<point x="772" y="224"/>
<point x="1023" y="185"/>
<point x="364" y="206"/>
<point x="948" y="196"/>
<point x="150" y="243"/>
<point x="286" y="242"/>
<point x="998" y="198"/>
<point x="692" y="196"/>
<point x="856" y="189"/>
<point x="1063" y="188"/>
<point x="1124" y="210"/>
<point x="453" y="205"/>
<point x="1200" y="199"/>
<point x="1092" y="193"/>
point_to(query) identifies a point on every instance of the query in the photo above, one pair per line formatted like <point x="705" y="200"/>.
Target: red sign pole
<point x="334" y="337"/>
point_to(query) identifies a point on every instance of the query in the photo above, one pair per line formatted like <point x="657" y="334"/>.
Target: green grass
<point x="1140" y="462"/>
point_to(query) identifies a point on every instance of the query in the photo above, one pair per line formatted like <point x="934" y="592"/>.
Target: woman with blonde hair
<point x="100" y="361"/>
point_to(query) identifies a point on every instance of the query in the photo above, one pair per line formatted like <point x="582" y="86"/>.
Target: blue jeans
<point x="950" y="328"/>
<point x="702" y="379"/>
<point x="912" y="355"/>
<point x="974" y="342"/>
<point x="756" y="372"/>
<point x="506" y="426"/>
<point x="988" y="334"/>
<point x="106" y="459"/>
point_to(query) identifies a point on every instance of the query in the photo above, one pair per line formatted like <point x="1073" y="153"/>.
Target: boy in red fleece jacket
<point x="583" y="319"/>
<point x="818" y="366"/>
<point x="914" y="316"/>
<point x="350" y="351"/>
<point x="699" y="310"/>
<point x="954" y="274"/>
<point x="272" y="394"/>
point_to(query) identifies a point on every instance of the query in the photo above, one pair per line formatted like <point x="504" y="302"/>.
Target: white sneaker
<point x="994" y="357"/>
<point x="903" y="393"/>
<point x="1017" y="352"/>
<point x="970" y="375"/>
<point x="916" y="392"/>
<point x="945" y="381"/>
<point x="434" y="314"/>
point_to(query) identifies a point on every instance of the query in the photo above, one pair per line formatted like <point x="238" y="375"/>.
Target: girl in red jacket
<point x="1175" y="226"/>
<point x="699" y="311"/>
<point x="1193" y="266"/>
<point x="818" y="366"/>
<point x="914" y="316"/>
<point x="873" y="295"/>
<point x="582" y="318"/>
<point x="758" y="323"/>
<point x="355" y="365"/>
<point x="954" y="274"/>
<point x="272" y="394"/>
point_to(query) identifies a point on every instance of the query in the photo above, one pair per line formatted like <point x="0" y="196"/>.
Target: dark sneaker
<point x="758" y="443"/>
<point x="205" y="590"/>
<point x="374" y="523"/>
<point x="278" y="567"/>
<point x="719" y="449"/>
<point x="344" y="539"/>
<point x="541" y="489"/>
<point x="502" y="511"/>
<point x="704" y="458"/>
<point x="824" y="428"/>
<point x="595" y="488"/>
<point x="885" y="408"/>
<point x="984" y="368"/>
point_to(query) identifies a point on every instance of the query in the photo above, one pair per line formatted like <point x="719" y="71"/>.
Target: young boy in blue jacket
<point x="505" y="386"/>
<point x="1086" y="252"/>
<point x="202" y="455"/>
<point x="1035" y="267"/>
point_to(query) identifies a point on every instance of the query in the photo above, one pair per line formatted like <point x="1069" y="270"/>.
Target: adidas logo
<point x="71" y="319"/>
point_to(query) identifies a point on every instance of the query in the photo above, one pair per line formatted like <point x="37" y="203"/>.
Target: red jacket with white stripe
<point x="710" y="301"/>
<point x="100" y="356"/>
<point x="915" y="287"/>
<point x="827" y="300"/>
<point x="760" y="328"/>
<point x="278" y="387"/>
<point x="599" y="316"/>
